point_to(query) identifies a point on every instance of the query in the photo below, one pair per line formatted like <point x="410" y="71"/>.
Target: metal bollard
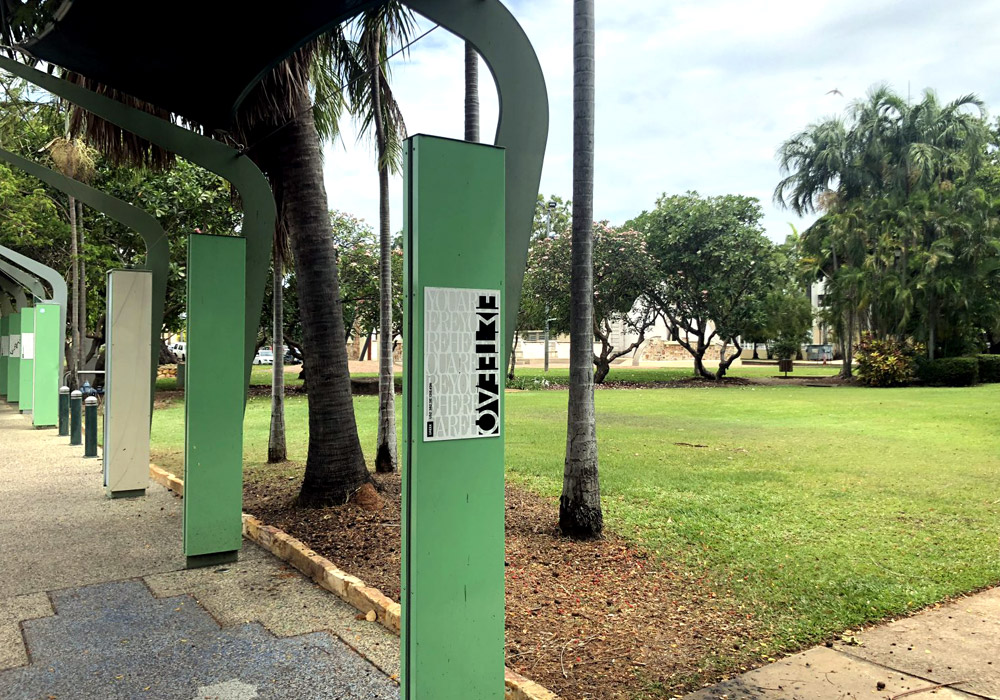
<point x="64" y="411"/>
<point x="90" y="409"/>
<point x="75" y="409"/>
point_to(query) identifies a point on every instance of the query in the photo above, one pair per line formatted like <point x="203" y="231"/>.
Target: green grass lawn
<point x="818" y="508"/>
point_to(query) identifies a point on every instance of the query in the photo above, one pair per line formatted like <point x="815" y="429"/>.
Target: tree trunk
<point x="76" y="341"/>
<point x="580" y="513"/>
<point x="471" y="93"/>
<point x="83" y="284"/>
<point x="755" y="355"/>
<point x="335" y="465"/>
<point x="276" y="446"/>
<point x="385" y="451"/>
<point x="513" y="357"/>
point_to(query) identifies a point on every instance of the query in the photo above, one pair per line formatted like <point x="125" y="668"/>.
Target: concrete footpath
<point x="949" y="651"/>
<point x="95" y="602"/>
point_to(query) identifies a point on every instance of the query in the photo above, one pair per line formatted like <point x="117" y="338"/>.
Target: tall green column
<point x="4" y="350"/>
<point x="14" y="358"/>
<point x="48" y="344"/>
<point x="27" y="364"/>
<point x="453" y="473"/>
<point x="214" y="394"/>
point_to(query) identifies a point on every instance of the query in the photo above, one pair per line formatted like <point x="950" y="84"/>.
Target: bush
<point x="528" y="383"/>
<point x="949" y="371"/>
<point x="885" y="362"/>
<point x="785" y="348"/>
<point x="989" y="368"/>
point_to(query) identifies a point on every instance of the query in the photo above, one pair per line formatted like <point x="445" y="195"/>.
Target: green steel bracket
<point x="29" y="282"/>
<point x="523" y="125"/>
<point x="152" y="233"/>
<point x="259" y="213"/>
<point x="54" y="280"/>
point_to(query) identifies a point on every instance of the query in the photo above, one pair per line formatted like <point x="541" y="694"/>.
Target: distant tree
<point x="625" y="275"/>
<point x="715" y="269"/>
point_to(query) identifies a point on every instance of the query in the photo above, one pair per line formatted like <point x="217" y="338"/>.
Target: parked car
<point x="264" y="357"/>
<point x="291" y="359"/>
<point x="180" y="350"/>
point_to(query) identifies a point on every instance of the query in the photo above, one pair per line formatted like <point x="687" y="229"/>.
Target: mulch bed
<point x="602" y="619"/>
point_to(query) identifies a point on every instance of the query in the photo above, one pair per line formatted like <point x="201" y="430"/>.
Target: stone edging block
<point x="350" y="589"/>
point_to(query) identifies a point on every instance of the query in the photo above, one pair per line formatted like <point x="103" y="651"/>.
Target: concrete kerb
<point x="348" y="588"/>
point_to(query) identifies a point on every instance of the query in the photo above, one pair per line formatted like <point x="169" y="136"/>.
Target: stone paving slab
<point x="13" y="611"/>
<point x="956" y="641"/>
<point x="138" y="646"/>
<point x="822" y="673"/>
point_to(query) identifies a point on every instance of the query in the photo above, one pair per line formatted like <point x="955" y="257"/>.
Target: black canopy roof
<point x="197" y="58"/>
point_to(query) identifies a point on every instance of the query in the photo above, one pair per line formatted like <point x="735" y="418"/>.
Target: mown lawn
<point x="818" y="508"/>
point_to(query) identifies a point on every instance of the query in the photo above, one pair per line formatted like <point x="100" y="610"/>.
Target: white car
<point x="264" y="357"/>
<point x="180" y="350"/>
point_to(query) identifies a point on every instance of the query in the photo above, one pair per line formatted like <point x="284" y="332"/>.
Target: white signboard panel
<point x="27" y="346"/>
<point x="14" y="350"/>
<point x="462" y="363"/>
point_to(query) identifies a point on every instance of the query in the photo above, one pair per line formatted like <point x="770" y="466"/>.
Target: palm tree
<point x="373" y="100"/>
<point x="277" y="450"/>
<point x="471" y="93"/>
<point x="580" y="512"/>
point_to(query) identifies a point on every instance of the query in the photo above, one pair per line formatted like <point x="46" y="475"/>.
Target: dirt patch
<point x="585" y="619"/>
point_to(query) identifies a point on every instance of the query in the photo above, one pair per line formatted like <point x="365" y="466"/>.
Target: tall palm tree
<point x="580" y="512"/>
<point x="372" y="99"/>
<point x="277" y="450"/>
<point x="471" y="93"/>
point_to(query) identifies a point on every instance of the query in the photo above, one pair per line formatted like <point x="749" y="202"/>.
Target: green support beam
<point x="49" y="335"/>
<point x="6" y="311"/>
<point x="55" y="282"/>
<point x="214" y="396"/>
<point x="453" y="468"/>
<point x="26" y="383"/>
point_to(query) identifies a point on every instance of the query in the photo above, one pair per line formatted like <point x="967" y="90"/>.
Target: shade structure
<point x="221" y="48"/>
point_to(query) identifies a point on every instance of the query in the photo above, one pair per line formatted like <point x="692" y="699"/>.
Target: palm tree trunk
<point x="74" y="252"/>
<point x="276" y="447"/>
<point x="580" y="505"/>
<point x="83" y="283"/>
<point x="335" y="465"/>
<point x="385" y="452"/>
<point x="471" y="93"/>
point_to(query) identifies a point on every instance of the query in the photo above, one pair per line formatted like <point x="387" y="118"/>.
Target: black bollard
<point x="90" y="409"/>
<point x="75" y="409"/>
<point x="64" y="411"/>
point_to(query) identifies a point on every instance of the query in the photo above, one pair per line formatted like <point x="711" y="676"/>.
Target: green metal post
<point x="90" y="408"/>
<point x="4" y="346"/>
<point x="27" y="365"/>
<point x="14" y="359"/>
<point x="214" y="394"/>
<point x="453" y="473"/>
<point x="48" y="344"/>
<point x="75" y="409"/>
<point x="64" y="411"/>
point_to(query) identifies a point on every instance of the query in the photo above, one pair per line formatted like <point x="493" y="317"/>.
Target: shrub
<point x="785" y="348"/>
<point x="885" y="362"/>
<point x="949" y="371"/>
<point x="989" y="368"/>
<point x="528" y="383"/>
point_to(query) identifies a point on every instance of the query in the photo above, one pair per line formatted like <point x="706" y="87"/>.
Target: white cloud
<point x="693" y="94"/>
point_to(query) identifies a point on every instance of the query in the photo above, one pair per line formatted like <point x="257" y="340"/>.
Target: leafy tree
<point x="716" y="268"/>
<point x="580" y="513"/>
<point x="625" y="275"/>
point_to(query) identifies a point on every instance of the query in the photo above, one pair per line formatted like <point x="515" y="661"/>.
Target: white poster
<point x="14" y="349"/>
<point x="462" y="372"/>
<point x="27" y="346"/>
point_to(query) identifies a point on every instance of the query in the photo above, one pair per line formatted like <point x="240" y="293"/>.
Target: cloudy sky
<point x="693" y="94"/>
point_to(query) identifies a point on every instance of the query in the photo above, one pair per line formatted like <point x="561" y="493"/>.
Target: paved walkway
<point x="955" y="645"/>
<point x="95" y="602"/>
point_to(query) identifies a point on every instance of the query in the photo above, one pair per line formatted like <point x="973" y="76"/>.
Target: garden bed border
<point x="348" y="588"/>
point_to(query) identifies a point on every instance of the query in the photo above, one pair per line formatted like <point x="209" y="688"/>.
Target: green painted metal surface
<point x="53" y="279"/>
<point x="48" y="342"/>
<point x="14" y="358"/>
<point x="453" y="490"/>
<point x="214" y="398"/>
<point x="27" y="365"/>
<point x="4" y="344"/>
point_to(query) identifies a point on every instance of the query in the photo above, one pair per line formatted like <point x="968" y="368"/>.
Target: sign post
<point x="48" y="345"/>
<point x="453" y="473"/>
<point x="27" y="369"/>
<point x="14" y="357"/>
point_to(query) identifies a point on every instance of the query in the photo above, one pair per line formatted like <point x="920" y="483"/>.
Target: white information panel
<point x="27" y="346"/>
<point x="14" y="349"/>
<point x="462" y="367"/>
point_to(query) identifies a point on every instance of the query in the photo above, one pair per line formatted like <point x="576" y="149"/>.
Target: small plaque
<point x="462" y="363"/>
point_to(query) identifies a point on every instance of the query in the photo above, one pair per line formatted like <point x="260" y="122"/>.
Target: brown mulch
<point x="600" y="619"/>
